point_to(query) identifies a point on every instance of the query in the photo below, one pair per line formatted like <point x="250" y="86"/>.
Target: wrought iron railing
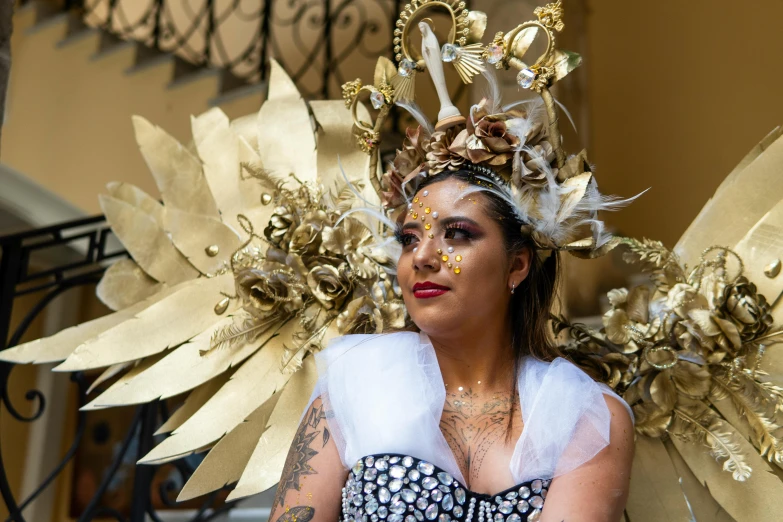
<point x="75" y="254"/>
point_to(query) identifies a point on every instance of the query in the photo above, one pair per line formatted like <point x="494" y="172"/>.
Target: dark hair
<point x="532" y="300"/>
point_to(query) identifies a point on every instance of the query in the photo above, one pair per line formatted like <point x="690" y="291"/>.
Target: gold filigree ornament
<point x="508" y="49"/>
<point x="462" y="47"/>
<point x="381" y="96"/>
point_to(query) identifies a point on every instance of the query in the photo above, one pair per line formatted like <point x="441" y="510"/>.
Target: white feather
<point x="418" y="115"/>
<point x="493" y="91"/>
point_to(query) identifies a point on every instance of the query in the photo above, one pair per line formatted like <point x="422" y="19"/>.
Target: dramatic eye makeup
<point x="455" y="229"/>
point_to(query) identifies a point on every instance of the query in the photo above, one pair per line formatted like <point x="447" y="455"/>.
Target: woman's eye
<point x="457" y="233"/>
<point x="407" y="239"/>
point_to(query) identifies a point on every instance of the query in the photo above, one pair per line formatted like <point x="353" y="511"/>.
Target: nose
<point x="425" y="256"/>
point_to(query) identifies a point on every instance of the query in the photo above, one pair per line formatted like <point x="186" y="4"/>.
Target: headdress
<point x="515" y="149"/>
<point x="262" y="250"/>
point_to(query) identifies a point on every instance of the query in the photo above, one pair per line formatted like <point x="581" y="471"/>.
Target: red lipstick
<point x="427" y="289"/>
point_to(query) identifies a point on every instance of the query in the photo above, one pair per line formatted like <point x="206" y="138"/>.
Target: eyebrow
<point x="416" y="225"/>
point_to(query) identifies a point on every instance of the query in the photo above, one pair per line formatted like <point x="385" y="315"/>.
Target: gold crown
<point x="518" y="150"/>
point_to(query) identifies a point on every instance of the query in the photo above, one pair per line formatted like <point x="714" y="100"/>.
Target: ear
<point x="520" y="267"/>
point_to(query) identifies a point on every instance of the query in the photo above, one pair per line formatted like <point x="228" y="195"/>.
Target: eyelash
<point x="406" y="238"/>
<point x="459" y="228"/>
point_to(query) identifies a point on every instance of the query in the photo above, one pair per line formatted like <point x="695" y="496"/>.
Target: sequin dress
<point x="397" y="488"/>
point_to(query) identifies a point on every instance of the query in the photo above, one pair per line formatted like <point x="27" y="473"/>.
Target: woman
<point x="479" y="398"/>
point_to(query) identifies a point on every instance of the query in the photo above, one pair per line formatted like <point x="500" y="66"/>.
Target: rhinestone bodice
<point x="401" y="488"/>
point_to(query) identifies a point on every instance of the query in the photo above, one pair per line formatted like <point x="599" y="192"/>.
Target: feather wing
<point x="146" y="242"/>
<point x="124" y="284"/>
<point x="266" y="464"/>
<point x="133" y="195"/>
<point x="748" y="193"/>
<point x="197" y="237"/>
<point x="155" y="328"/>
<point x="252" y="384"/>
<point x="225" y="463"/>
<point x="177" y="172"/>
<point x="286" y="141"/>
<point x="183" y="368"/>
<point x="196" y="399"/>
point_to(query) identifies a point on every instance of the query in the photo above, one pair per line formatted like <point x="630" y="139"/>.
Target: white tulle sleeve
<point x="566" y="419"/>
<point x="384" y="394"/>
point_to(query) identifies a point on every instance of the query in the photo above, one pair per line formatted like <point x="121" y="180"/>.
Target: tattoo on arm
<point x="296" y="464"/>
<point x="297" y="514"/>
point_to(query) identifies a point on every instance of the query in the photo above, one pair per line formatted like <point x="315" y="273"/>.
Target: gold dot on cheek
<point x="457" y="270"/>
<point x="415" y="215"/>
<point x="416" y="199"/>
<point x="450" y="265"/>
<point x="427" y="226"/>
<point x="421" y="203"/>
<point x="440" y="251"/>
<point x="427" y="210"/>
<point x="445" y="258"/>
<point x="458" y="258"/>
<point x="423" y="217"/>
<point x="430" y="235"/>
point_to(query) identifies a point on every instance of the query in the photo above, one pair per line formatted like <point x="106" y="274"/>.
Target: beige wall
<point x="68" y="121"/>
<point x="679" y="92"/>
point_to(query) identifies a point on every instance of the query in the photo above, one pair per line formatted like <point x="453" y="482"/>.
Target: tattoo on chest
<point x="311" y="436"/>
<point x="472" y="425"/>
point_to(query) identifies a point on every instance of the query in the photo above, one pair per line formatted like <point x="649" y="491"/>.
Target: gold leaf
<point x="218" y="149"/>
<point x="338" y="158"/>
<point x="618" y="297"/>
<point x="155" y="328"/>
<point x="133" y="195"/>
<point x="638" y="304"/>
<point x="563" y="62"/>
<point x="695" y="422"/>
<point x="195" y="400"/>
<point x="733" y="497"/>
<point x="704" y="320"/>
<point x="124" y="284"/>
<point x="692" y="380"/>
<point x="384" y="71"/>
<point x="729" y="329"/>
<point x="60" y="345"/>
<point x="225" y="462"/>
<point x="756" y="409"/>
<point x="663" y="391"/>
<point x="186" y="367"/>
<point x="266" y="464"/>
<point x="110" y="372"/>
<point x="286" y="140"/>
<point x="193" y="233"/>
<point x="177" y="172"/>
<point x="615" y="322"/>
<point x="650" y="420"/>
<point x="146" y="242"/>
<point x="655" y="493"/>
<point x="253" y="383"/>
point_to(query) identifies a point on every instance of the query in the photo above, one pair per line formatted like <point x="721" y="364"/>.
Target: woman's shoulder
<point x="568" y="381"/>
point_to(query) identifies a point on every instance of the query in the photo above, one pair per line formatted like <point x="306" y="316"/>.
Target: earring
<point x="513" y="285"/>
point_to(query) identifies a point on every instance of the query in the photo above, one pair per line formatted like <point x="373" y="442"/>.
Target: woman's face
<point x="455" y="272"/>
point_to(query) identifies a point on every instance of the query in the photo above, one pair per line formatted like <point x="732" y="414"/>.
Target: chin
<point x="435" y="321"/>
